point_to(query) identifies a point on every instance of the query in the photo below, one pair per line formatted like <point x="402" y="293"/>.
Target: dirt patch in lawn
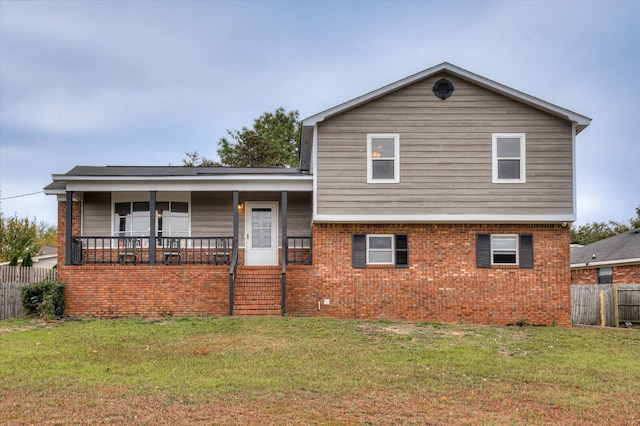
<point x="118" y="406"/>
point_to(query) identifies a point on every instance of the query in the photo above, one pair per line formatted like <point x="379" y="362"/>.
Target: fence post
<point x="603" y="318"/>
<point x="616" y="315"/>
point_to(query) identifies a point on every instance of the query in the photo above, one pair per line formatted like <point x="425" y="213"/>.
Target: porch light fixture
<point x="240" y="207"/>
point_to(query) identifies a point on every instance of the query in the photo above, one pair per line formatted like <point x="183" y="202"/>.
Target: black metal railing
<point x="232" y="278"/>
<point x="300" y="250"/>
<point x="137" y="250"/>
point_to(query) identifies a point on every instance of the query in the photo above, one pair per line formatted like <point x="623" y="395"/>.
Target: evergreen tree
<point x="27" y="262"/>
<point x="596" y="231"/>
<point x="273" y="141"/>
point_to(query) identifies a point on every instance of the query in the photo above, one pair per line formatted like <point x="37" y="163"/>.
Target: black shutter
<point x="359" y="254"/>
<point x="483" y="251"/>
<point x="526" y="251"/>
<point x="402" y="251"/>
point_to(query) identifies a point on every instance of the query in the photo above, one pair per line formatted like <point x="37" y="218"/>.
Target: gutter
<point x="618" y="262"/>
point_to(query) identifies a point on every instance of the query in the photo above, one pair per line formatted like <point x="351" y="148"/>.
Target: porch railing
<point x="300" y="250"/>
<point x="135" y="250"/>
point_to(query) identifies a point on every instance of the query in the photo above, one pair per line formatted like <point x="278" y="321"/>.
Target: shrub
<point x="44" y="299"/>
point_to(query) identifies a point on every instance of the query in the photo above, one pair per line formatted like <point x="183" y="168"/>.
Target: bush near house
<point x="44" y="299"/>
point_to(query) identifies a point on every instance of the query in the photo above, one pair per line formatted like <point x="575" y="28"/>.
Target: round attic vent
<point x="443" y="88"/>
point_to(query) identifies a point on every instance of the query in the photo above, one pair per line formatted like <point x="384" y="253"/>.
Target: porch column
<point x="234" y="257"/>
<point x="152" y="227"/>
<point x="235" y="220"/>
<point x="285" y="251"/>
<point x="68" y="238"/>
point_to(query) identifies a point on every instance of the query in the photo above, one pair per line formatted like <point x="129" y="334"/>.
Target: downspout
<point x="573" y="155"/>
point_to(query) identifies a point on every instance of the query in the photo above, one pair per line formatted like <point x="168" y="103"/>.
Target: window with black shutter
<point x="483" y="250"/>
<point x="379" y="249"/>
<point x="499" y="249"/>
<point x="402" y="251"/>
<point x="359" y="255"/>
<point x="526" y="251"/>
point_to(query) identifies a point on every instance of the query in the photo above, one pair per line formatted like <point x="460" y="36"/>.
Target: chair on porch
<point x="171" y="251"/>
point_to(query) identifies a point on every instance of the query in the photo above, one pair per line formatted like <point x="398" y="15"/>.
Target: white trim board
<point x="444" y="218"/>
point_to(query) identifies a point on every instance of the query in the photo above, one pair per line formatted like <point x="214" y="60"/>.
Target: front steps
<point x="257" y="291"/>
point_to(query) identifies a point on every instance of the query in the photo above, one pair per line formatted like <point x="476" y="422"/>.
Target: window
<point x="380" y="249"/>
<point x="509" y="158"/>
<point x="498" y="250"/>
<point x="383" y="158"/>
<point x="605" y="276"/>
<point x="172" y="219"/>
<point x="132" y="219"/>
<point x="504" y="249"/>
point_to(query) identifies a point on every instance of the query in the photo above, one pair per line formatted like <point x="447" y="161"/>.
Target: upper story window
<point x="383" y="158"/>
<point x="509" y="162"/>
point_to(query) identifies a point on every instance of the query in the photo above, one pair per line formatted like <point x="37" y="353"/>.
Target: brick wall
<point x="442" y="283"/>
<point x="110" y="291"/>
<point x="624" y="274"/>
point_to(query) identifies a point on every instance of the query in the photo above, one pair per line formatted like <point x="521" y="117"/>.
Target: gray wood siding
<point x="445" y="155"/>
<point x="96" y="214"/>
<point x="211" y="213"/>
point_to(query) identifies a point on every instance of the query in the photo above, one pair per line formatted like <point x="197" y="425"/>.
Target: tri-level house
<point x="444" y="196"/>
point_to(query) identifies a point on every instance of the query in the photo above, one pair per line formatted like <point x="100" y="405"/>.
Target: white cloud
<point x="115" y="82"/>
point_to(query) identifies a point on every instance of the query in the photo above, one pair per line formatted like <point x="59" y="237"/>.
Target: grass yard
<point x="314" y="371"/>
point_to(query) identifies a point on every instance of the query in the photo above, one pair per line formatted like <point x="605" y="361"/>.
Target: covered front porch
<point x="254" y="229"/>
<point x="183" y="233"/>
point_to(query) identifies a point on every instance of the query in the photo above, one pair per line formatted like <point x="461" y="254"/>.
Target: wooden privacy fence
<point x="605" y="304"/>
<point x="12" y="279"/>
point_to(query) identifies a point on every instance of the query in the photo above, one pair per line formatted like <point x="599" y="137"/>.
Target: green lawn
<point x="314" y="371"/>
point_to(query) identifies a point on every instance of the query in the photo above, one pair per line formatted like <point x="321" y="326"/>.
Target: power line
<point x="19" y="196"/>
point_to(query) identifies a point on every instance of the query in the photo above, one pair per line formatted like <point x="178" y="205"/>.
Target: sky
<point x="143" y="82"/>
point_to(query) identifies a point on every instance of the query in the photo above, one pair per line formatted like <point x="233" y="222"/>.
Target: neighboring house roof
<point x="41" y="261"/>
<point x="47" y="250"/>
<point x="619" y="249"/>
<point x="581" y="121"/>
<point x="96" y="174"/>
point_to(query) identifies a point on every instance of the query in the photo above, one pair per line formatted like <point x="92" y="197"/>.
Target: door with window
<point x="261" y="233"/>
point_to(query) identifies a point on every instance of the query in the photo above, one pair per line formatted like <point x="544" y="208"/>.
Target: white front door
<point x="261" y="233"/>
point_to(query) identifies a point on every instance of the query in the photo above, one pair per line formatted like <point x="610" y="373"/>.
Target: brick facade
<point x="622" y="274"/>
<point x="441" y="284"/>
